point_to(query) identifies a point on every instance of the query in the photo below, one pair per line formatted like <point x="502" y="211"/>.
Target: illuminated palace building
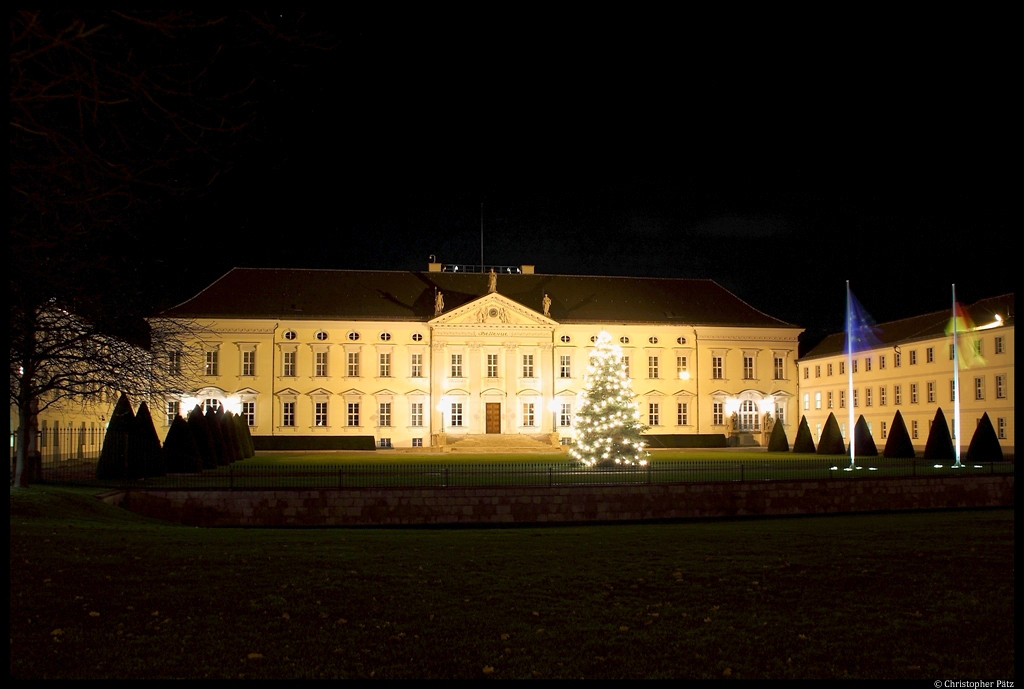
<point x="415" y="358"/>
<point x="912" y="370"/>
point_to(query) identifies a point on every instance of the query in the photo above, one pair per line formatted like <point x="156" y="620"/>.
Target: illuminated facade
<point x="912" y="370"/>
<point x="413" y="358"/>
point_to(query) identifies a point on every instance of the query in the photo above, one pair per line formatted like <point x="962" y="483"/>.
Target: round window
<point x="289" y="334"/>
<point x="416" y="337"/>
<point x="492" y="312"/>
<point x="321" y="335"/>
<point x="652" y="340"/>
<point x="681" y="340"/>
<point x="566" y="338"/>
<point x="353" y="336"/>
<point x="385" y="336"/>
<point x="624" y="340"/>
<point x="593" y="338"/>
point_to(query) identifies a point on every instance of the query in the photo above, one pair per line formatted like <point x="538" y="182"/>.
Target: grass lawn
<point x="99" y="592"/>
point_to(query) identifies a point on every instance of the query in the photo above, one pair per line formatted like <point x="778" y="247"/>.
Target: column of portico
<point x="510" y="423"/>
<point x="437" y="375"/>
<point x="547" y="375"/>
<point x="475" y="412"/>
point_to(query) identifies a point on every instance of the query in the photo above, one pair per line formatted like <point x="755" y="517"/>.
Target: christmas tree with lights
<point x="608" y="423"/>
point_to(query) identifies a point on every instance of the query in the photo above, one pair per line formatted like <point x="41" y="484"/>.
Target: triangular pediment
<point x="319" y="391"/>
<point x="351" y="392"/>
<point x="288" y="392"/>
<point x="246" y="391"/>
<point x="384" y="392"/>
<point x="495" y="310"/>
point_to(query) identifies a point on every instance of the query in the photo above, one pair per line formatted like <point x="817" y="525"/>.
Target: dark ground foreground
<point x="99" y="592"/>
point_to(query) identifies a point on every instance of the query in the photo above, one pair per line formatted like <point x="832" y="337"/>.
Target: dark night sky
<point x="378" y="153"/>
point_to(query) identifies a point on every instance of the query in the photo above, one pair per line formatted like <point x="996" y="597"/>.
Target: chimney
<point x="527" y="270"/>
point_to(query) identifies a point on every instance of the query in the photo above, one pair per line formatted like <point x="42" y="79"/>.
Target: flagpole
<point x="849" y="370"/>
<point x="956" y="387"/>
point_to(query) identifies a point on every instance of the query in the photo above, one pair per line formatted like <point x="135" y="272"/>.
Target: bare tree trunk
<point x="28" y="467"/>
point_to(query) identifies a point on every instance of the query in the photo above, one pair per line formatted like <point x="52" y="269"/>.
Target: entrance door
<point x="494" y="417"/>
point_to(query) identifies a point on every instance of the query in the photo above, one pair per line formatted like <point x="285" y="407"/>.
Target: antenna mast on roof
<point x="481" y="236"/>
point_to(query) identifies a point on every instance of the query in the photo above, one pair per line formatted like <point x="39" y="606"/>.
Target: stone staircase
<point x="495" y="442"/>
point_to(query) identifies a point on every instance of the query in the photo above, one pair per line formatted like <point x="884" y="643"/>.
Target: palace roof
<point x="925" y="327"/>
<point x="409" y="296"/>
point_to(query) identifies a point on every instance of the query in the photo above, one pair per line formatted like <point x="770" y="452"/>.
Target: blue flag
<point x="861" y="331"/>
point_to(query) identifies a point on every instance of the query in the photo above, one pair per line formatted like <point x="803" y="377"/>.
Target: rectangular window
<point x="353" y="414"/>
<point x="931" y="392"/>
<point x="748" y="368"/>
<point x="867" y="397"/>
<point x="289" y="364"/>
<point x="717" y="412"/>
<point x="416" y="366"/>
<point x="896" y="358"/>
<point x="1001" y="423"/>
<point x="249" y="413"/>
<point x="881" y="361"/>
<point x="625" y="365"/>
<point x="321" y="364"/>
<point x="780" y="368"/>
<point x="385" y="364"/>
<point x="855" y="395"/>
<point x="173" y="409"/>
<point x="384" y="409"/>
<point x="716" y="368"/>
<point x="817" y="430"/>
<point x="456" y="414"/>
<point x="867" y="363"/>
<point x="653" y="414"/>
<point x="817" y="400"/>
<point x="952" y="347"/>
<point x="564" y="366"/>
<point x="174" y="363"/>
<point x="913" y="357"/>
<point x="492" y="365"/>
<point x="288" y="415"/>
<point x="320" y="413"/>
<point x="528" y="418"/>
<point x="842" y="399"/>
<point x="913" y="393"/>
<point x="211" y="363"/>
<point x="682" y="414"/>
<point x="780" y="413"/>
<point x="209" y="403"/>
<point x="817" y="371"/>
<point x="914" y="426"/>
<point x="854" y="365"/>
<point x="456" y="366"/>
<point x="842" y="368"/>
<point x="248" y="363"/>
<point x="807" y="372"/>
<point x="652" y="367"/>
<point x="979" y="388"/>
<point x="999" y="345"/>
<point x="952" y="390"/>
<point x="828" y="368"/>
<point x="1000" y="387"/>
<point x="897" y="396"/>
<point x="385" y="444"/>
<point x="929" y="355"/>
<point x="417" y="442"/>
<point x="527" y="366"/>
<point x="885" y="433"/>
<point x="353" y="365"/>
<point x="881" y="396"/>
<point x="977" y="348"/>
<point x="416" y="414"/>
<point x="565" y="418"/>
<point x="830" y="399"/>
<point x="807" y="401"/>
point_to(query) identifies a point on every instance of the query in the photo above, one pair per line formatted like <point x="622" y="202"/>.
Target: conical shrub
<point x="243" y="438"/>
<point x="777" y="441"/>
<point x="984" y="444"/>
<point x="831" y="441"/>
<point x="181" y="454"/>
<point x="204" y="440"/>
<point x="113" y="463"/>
<point x="227" y="420"/>
<point x="940" y="444"/>
<point x="146" y="444"/>
<point x="804" y="443"/>
<point x="217" y="434"/>
<point x="864" y="444"/>
<point x="898" y="443"/>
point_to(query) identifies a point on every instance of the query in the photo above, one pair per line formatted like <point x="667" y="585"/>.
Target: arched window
<point x="748" y="416"/>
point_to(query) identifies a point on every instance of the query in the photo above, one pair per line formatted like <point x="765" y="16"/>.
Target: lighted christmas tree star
<point x="608" y="423"/>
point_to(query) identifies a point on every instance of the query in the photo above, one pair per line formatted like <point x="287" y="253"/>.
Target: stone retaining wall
<point x="566" y="504"/>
